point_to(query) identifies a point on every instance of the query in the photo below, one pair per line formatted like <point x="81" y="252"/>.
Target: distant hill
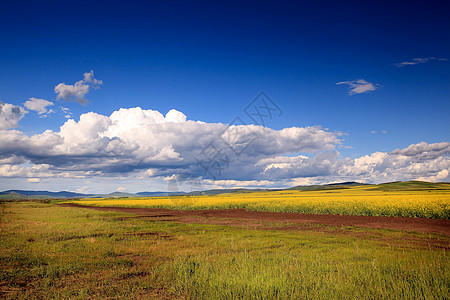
<point x="15" y="196"/>
<point x="390" y="186"/>
<point x="330" y="186"/>
<point x="42" y="194"/>
<point x="412" y="186"/>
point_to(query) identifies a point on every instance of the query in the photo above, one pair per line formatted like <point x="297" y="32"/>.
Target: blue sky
<point x="208" y="61"/>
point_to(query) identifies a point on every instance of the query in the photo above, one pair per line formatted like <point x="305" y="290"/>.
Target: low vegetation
<point x="49" y="251"/>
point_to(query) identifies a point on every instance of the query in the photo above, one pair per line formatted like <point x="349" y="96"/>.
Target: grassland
<point x="395" y="200"/>
<point x="48" y="251"/>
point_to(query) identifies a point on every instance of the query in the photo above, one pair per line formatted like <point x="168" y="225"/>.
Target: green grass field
<point x="53" y="252"/>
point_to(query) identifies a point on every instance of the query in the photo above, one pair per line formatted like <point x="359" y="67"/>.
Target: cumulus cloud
<point x="10" y="115"/>
<point x="416" y="61"/>
<point x="39" y="105"/>
<point x="282" y="167"/>
<point x="89" y="79"/>
<point x="27" y="171"/>
<point x="416" y="162"/>
<point x="79" y="89"/>
<point x="424" y="150"/>
<point x="147" y="144"/>
<point x="359" y="86"/>
<point x="136" y="139"/>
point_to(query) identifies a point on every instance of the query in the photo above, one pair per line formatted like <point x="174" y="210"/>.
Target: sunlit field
<point x="53" y="252"/>
<point x="361" y="200"/>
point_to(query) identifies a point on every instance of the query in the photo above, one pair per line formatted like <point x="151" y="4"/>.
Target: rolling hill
<point x="390" y="186"/>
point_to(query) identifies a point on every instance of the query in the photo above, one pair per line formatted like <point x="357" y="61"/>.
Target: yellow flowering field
<point x="362" y="200"/>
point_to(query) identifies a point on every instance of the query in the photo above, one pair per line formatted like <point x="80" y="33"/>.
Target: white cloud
<point x="120" y="189"/>
<point x="10" y="115"/>
<point x="34" y="180"/>
<point x="38" y="105"/>
<point x="147" y="144"/>
<point x="282" y="167"/>
<point x="65" y="111"/>
<point x="234" y="184"/>
<point x="359" y="86"/>
<point x="175" y="116"/>
<point x="421" y="161"/>
<point x="416" y="61"/>
<point x="89" y="78"/>
<point x="426" y="150"/>
<point x="83" y="190"/>
<point x="77" y="91"/>
<point x="27" y="171"/>
<point x="382" y="131"/>
<point x="135" y="139"/>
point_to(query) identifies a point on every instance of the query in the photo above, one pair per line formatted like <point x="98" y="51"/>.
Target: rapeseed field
<point x="360" y="200"/>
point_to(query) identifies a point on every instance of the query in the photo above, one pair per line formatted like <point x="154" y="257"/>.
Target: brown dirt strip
<point x="237" y="216"/>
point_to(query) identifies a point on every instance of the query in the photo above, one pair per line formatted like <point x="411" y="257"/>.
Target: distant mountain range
<point x="390" y="186"/>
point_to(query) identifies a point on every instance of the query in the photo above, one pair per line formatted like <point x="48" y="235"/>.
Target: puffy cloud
<point x="136" y="139"/>
<point x="416" y="162"/>
<point x="120" y="189"/>
<point x="79" y="89"/>
<point x="359" y="86"/>
<point x="282" y="167"/>
<point x="12" y="160"/>
<point x="223" y="184"/>
<point x="147" y="144"/>
<point x="76" y="91"/>
<point x="89" y="79"/>
<point x="424" y="150"/>
<point x="10" y="115"/>
<point x="420" y="161"/>
<point x="416" y="61"/>
<point x="25" y="170"/>
<point x="38" y="105"/>
<point x="175" y="116"/>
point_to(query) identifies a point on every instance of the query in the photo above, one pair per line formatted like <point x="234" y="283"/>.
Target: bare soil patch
<point x="240" y="217"/>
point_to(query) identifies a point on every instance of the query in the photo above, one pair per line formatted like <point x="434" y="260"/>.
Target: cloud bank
<point x="145" y="144"/>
